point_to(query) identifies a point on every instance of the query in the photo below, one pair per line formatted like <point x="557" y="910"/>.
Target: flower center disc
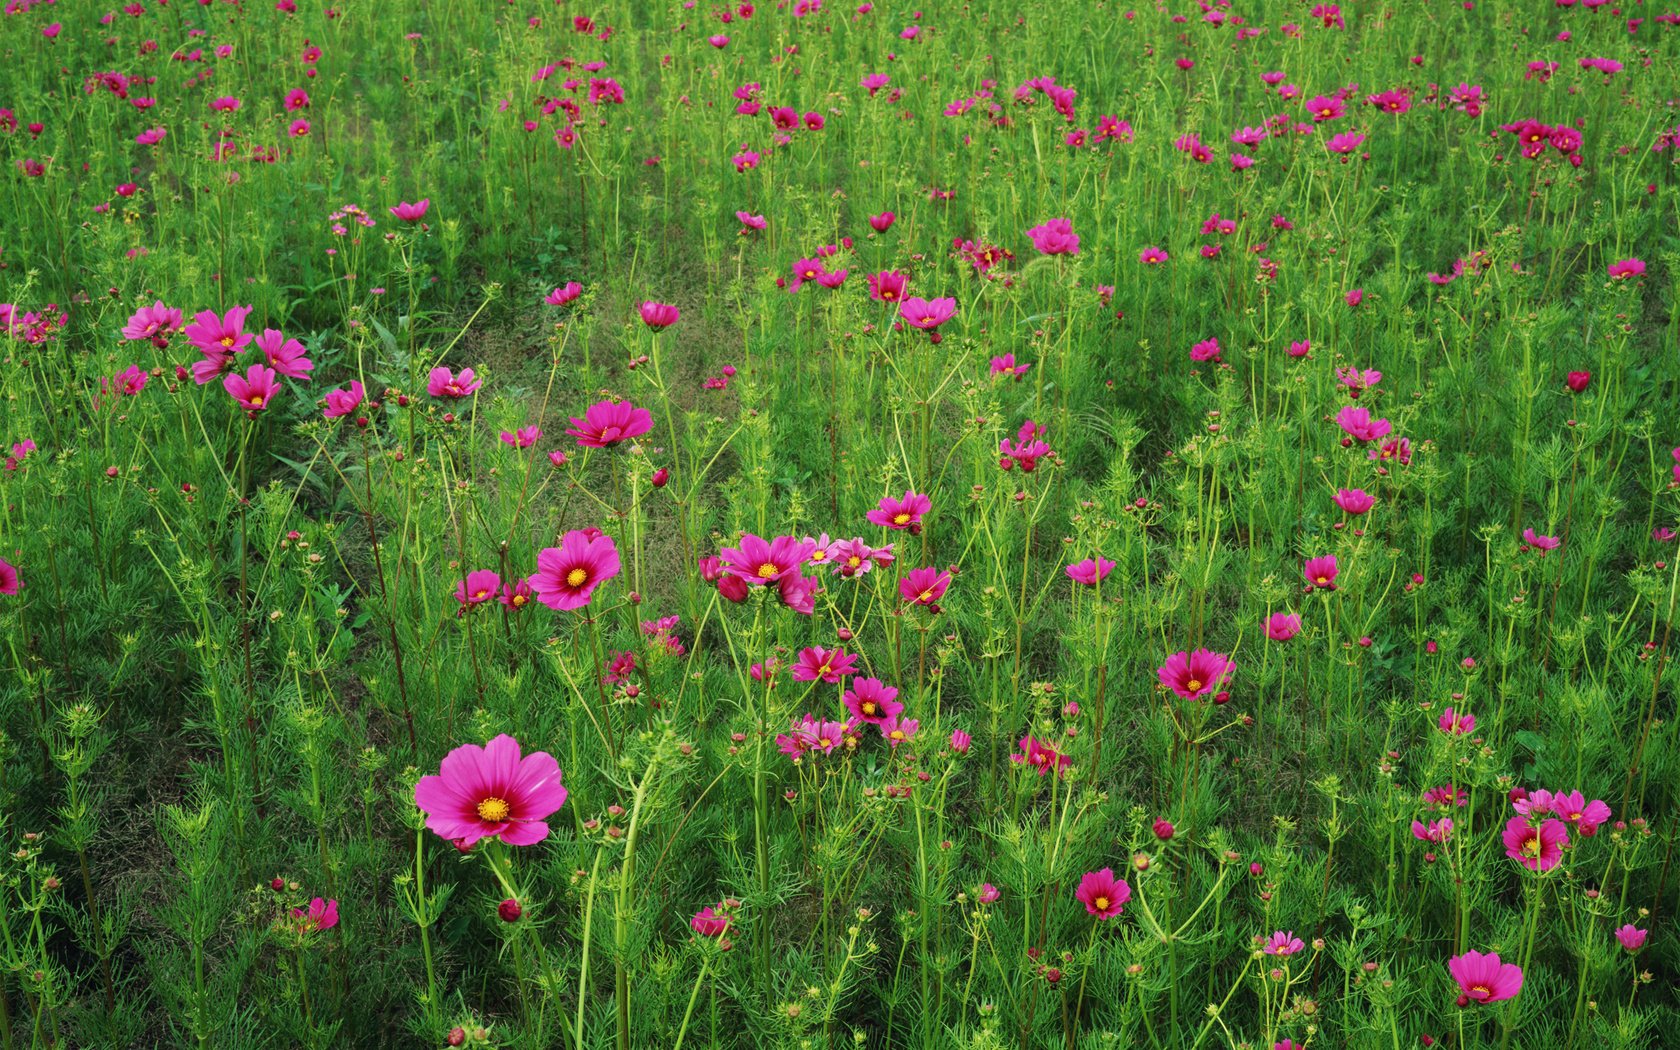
<point x="576" y="577"/>
<point x="493" y="809"/>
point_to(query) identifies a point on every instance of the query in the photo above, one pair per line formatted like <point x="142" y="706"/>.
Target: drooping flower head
<point x="1483" y="978"/>
<point x="606" y="423"/>
<point x="1103" y="895"/>
<point x="708" y="922"/>
<point x="491" y="792"/>
<point x="1192" y="674"/>
<point x="568" y="574"/>
<point x="1543" y="544"/>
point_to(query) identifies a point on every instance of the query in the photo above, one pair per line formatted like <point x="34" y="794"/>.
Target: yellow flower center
<point x="819" y="555"/>
<point x="853" y="562"/>
<point x="1101" y="903"/>
<point x="577" y="577"/>
<point x="768" y="571"/>
<point x="898" y="734"/>
<point x="868" y="707"/>
<point x="1194" y="684"/>
<point x="480" y="595"/>
<point x="901" y="518"/>
<point x="1480" y="991"/>
<point x="518" y="601"/>
<point x="825" y="669"/>
<point x="1322" y="580"/>
<point x="925" y="597"/>
<point x="256" y="401"/>
<point x="493" y="809"/>
<point x="227" y="340"/>
<point x="1531" y="846"/>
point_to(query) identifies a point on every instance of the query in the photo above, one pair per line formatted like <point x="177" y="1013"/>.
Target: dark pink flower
<point x="491" y="792"/>
<point x="1103" y="895"/>
<point x="568" y="574"/>
<point x="606" y="423"/>
<point x="1483" y="978"/>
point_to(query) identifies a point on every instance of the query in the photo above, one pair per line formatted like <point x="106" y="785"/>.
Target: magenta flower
<point x="830" y="665"/>
<point x="898" y="731"/>
<point x="479" y="587"/>
<point x="902" y="513"/>
<point x="1192" y="674"/>
<point x="1055" y="237"/>
<point x="1006" y="366"/>
<point x="883" y="222"/>
<point x="491" y="792"/>
<point x="870" y="700"/>
<point x="1091" y="571"/>
<point x="1321" y="572"/>
<point x="1035" y="754"/>
<point x="568" y="574"/>
<point x="960" y="741"/>
<point x="219" y="337"/>
<point x="1535" y="848"/>
<point x="1355" y="501"/>
<point x="564" y="294"/>
<point x="516" y="594"/>
<point x="1631" y="937"/>
<point x="441" y="382"/>
<point x="284" y="355"/>
<point x="887" y="286"/>
<point x="524" y="437"/>
<point x="254" y="390"/>
<point x="1356" y="421"/>
<point x="1103" y="895"/>
<point x="1574" y="810"/>
<point x="1283" y="943"/>
<point x="606" y="423"/>
<point x="10" y="581"/>
<point x="924" y="587"/>
<point x="1483" y="978"/>
<point x="1435" y="831"/>
<point x="709" y="923"/>
<point x="759" y="561"/>
<point x="322" y="915"/>
<point x="1153" y="256"/>
<point x="1456" y="723"/>
<point x="412" y="212"/>
<point x="344" y="402"/>
<point x="152" y="322"/>
<point x="1540" y="543"/>
<point x="1280" y="627"/>
<point x="659" y="315"/>
<point x="926" y="314"/>
<point x="1627" y="268"/>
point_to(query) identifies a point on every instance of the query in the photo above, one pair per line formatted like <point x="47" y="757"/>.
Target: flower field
<point x="1007" y="524"/>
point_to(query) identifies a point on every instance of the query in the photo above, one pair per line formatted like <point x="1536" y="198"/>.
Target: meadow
<point x="605" y="524"/>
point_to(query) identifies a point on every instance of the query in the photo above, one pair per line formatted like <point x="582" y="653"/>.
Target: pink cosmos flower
<point x="151" y="322"/>
<point x="568" y="574"/>
<point x="1631" y="937"/>
<point x="130" y="381"/>
<point x="709" y="923"/>
<point x="926" y="314"/>
<point x="606" y="423"/>
<point x="1090" y="571"/>
<point x="830" y="665"/>
<point x="1040" y="757"/>
<point x="1153" y="256"/>
<point x="854" y="557"/>
<point x="1192" y="674"/>
<point x="659" y="315"/>
<point x="1356" y="421"/>
<point x="441" y="382"/>
<point x="254" y="390"/>
<point x="322" y="915"/>
<point x="524" y="437"/>
<point x="1280" y="627"/>
<point x="564" y="294"/>
<point x="1627" y="268"/>
<point x="1483" y="978"/>
<point x="1574" y="810"/>
<point x="1006" y="366"/>
<point x="10" y="580"/>
<point x="960" y="742"/>
<point x="887" y="286"/>
<point x="411" y="212"/>
<point x="1543" y="544"/>
<point x="1055" y="237"/>
<point x="284" y="355"/>
<point x="491" y="792"/>
<point x="1456" y="723"/>
<point x="870" y="700"/>
<point x="1283" y="943"/>
<point x="516" y="594"/>
<point x="924" y="587"/>
<point x="898" y="731"/>
<point x="479" y="587"/>
<point x="1355" y="501"/>
<point x="1026" y="450"/>
<point x="1103" y="895"/>
<point x="760" y="561"/>
<point x="1321" y="572"/>
<point x="1535" y="848"/>
<point x="1206" y="350"/>
<point x="1435" y="831"/>
<point x="883" y="222"/>
<point x="902" y="513"/>
<point x="219" y="337"/>
<point x="344" y="402"/>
